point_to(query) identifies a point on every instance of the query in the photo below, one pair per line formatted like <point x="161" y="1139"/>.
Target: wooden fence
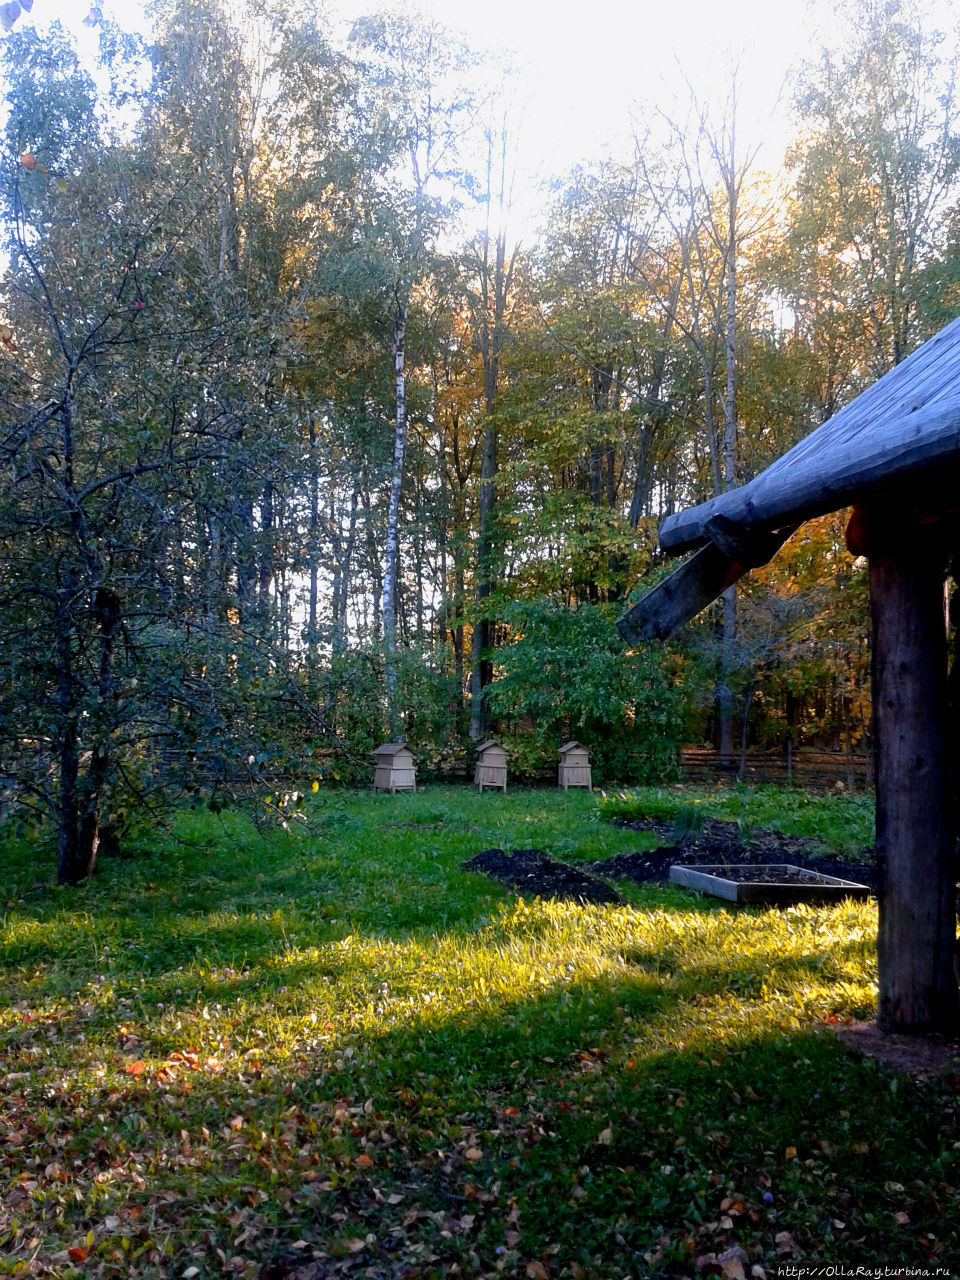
<point x="817" y="770"/>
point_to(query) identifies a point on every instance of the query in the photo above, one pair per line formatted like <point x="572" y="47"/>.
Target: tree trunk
<point x="723" y="692"/>
<point x="744" y="730"/>
<point x="494" y="292"/>
<point x="482" y="662"/>
<point x="267" y="565"/>
<point x="725" y="707"/>
<point x="213" y="585"/>
<point x="107" y="613"/>
<point x="246" y="562"/>
<point x="373" y="564"/>
<point x="339" y="642"/>
<point x="848" y="745"/>
<point x="71" y="868"/>
<point x="915" y="822"/>
<point x="314" y="545"/>
<point x="392" y="546"/>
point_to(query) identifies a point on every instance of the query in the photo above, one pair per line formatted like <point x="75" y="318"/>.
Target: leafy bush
<point x="566" y="675"/>
<point x="350" y="691"/>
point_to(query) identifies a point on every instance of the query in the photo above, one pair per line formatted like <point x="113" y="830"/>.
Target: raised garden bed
<point x="771" y="884"/>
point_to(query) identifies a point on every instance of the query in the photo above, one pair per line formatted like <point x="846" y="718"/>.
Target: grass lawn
<point x="340" y="1052"/>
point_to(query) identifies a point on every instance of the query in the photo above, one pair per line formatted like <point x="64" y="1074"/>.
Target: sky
<point x="589" y="69"/>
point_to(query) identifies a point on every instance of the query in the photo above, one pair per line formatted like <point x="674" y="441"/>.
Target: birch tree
<point x="420" y="108"/>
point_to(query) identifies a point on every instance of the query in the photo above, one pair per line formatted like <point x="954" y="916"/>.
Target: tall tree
<point x="490" y="288"/>
<point x="420" y="108"/>
<point x="877" y="162"/>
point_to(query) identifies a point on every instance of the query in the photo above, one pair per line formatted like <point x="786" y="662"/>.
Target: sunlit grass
<point x="340" y="1045"/>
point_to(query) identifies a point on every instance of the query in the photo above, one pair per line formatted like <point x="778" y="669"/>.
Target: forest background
<point x="301" y="449"/>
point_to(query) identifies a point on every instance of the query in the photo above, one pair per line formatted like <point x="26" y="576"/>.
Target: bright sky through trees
<point x="587" y="70"/>
<point x="586" y="64"/>
<point x="590" y="73"/>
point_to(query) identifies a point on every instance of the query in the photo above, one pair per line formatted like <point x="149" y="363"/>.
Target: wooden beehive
<point x="394" y="768"/>
<point x="491" y="766"/>
<point x="575" y="766"/>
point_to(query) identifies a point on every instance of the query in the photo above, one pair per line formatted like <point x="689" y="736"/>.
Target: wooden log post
<point x="916" y="838"/>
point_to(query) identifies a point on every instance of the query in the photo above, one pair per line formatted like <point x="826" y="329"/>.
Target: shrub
<point x="566" y="675"/>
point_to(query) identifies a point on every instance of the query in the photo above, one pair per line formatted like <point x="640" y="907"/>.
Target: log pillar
<point x="916" y="841"/>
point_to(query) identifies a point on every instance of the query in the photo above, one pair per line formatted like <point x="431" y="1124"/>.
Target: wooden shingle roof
<point x="908" y="420"/>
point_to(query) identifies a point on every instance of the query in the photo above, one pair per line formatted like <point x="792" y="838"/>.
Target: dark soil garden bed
<point x="533" y="872"/>
<point x="725" y="842"/>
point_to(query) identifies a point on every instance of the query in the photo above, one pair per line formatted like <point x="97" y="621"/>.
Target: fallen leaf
<point x="790" y="1153"/>
<point x="135" y="1068"/>
<point x="784" y="1242"/>
<point x="77" y="1254"/>
<point x="537" y="1271"/>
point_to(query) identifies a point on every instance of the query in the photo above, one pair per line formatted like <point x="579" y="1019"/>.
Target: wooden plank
<point x="907" y="421"/>
<point x="701" y="579"/>
<point x="916" y="937"/>
<point x="681" y="596"/>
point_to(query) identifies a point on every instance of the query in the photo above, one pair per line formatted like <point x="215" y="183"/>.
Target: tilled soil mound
<point x="535" y="873"/>
<point x="718" y="842"/>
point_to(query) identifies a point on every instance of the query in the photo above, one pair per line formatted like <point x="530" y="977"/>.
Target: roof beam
<point x="697" y="582"/>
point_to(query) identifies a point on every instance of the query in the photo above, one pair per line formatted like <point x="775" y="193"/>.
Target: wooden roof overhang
<point x="894" y="454"/>
<point x="900" y="438"/>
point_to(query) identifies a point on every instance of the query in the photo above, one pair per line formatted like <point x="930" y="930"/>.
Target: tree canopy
<point x="301" y="447"/>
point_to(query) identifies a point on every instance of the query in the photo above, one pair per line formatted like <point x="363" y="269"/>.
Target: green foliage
<point x="566" y="675"/>
<point x="349" y="689"/>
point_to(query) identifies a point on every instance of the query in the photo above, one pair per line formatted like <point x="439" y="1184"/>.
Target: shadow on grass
<point x="527" y="1095"/>
<point x="596" y="1123"/>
